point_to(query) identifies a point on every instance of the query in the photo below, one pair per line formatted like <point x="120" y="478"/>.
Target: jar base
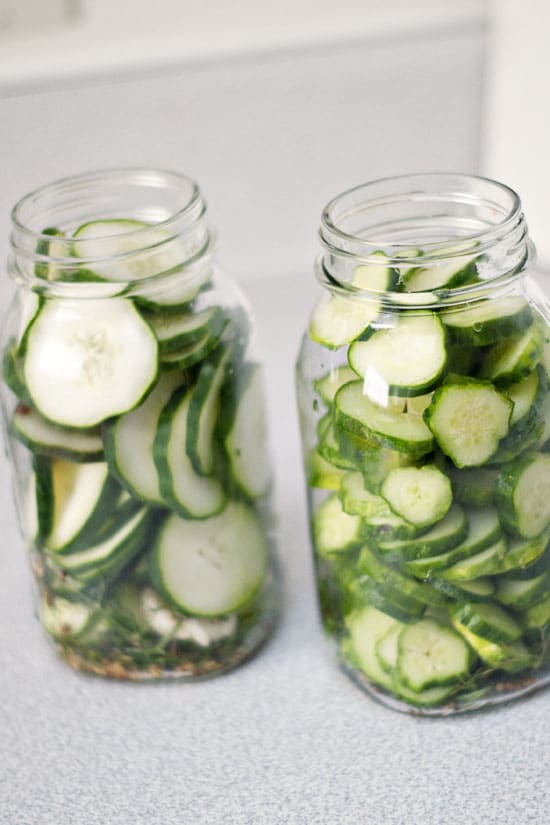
<point x="484" y="698"/>
<point x="178" y="662"/>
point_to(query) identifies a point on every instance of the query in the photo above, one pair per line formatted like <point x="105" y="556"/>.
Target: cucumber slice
<point x="328" y="385"/>
<point x="390" y="600"/>
<point x="387" y="648"/>
<point x="431" y="654"/>
<point x="477" y="590"/>
<point x="379" y="427"/>
<point x="365" y="628"/>
<point x="49" y="247"/>
<point x="89" y="360"/>
<point x="406" y="359"/>
<point x="523" y="552"/>
<point x="344" y="453"/>
<point x="468" y="419"/>
<point x="386" y="526"/>
<point x="523" y="495"/>
<point x="376" y="462"/>
<point x="105" y="559"/>
<point x="190" y="494"/>
<point x="204" y="407"/>
<point x="484" y="563"/>
<point x="514" y="358"/>
<point x="12" y="372"/>
<point x="177" y="330"/>
<point x="490" y="321"/>
<point x="42" y="436"/>
<point x="28" y="305"/>
<point x="375" y="277"/>
<point x="520" y="594"/>
<point x="211" y="567"/>
<point x="191" y="354"/>
<point x="489" y="621"/>
<point x="537" y="616"/>
<point x="444" y="273"/>
<point x="135" y="468"/>
<point x="82" y="497"/>
<point x="356" y="500"/>
<point x="336" y="320"/>
<point x="512" y="657"/>
<point x="334" y="530"/>
<point x="440" y="540"/>
<point x="322" y="473"/>
<point x="138" y="252"/>
<point x="245" y="441"/>
<point x="420" y="495"/>
<point x="385" y="575"/>
<point x="474" y="487"/>
<point x="528" y="394"/>
<point x="387" y="651"/>
<point x="457" y="537"/>
<point x="539" y="565"/>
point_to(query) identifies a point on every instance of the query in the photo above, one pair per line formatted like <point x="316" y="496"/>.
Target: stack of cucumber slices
<point x="146" y="505"/>
<point x="430" y="487"/>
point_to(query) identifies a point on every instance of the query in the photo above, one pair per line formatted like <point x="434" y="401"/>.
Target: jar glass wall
<point x="133" y="404"/>
<point x="422" y="387"/>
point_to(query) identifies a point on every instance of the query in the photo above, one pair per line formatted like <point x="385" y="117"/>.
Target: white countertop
<point x="287" y="738"/>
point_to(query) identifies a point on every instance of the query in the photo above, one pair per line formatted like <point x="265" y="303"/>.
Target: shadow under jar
<point x="136" y="429"/>
<point x="424" y="404"/>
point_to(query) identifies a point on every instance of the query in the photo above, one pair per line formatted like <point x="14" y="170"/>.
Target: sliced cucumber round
<point x="211" y="567"/>
<point x="511" y="657"/>
<point x="514" y="358"/>
<point x="468" y="419"/>
<point x="455" y="539"/>
<point x="328" y="385"/>
<point x="135" y="468"/>
<point x="356" y="500"/>
<point x="490" y="320"/>
<point x="431" y="654"/>
<point x="484" y="563"/>
<point x="245" y="440"/>
<point x="334" y="530"/>
<point x="365" y="628"/>
<point x="139" y="251"/>
<point x="190" y="494"/>
<point x="400" y="431"/>
<point x="405" y="359"/>
<point x="42" y="436"/>
<point x="89" y="360"/>
<point x="336" y="321"/>
<point x="421" y="495"/>
<point x="488" y="620"/>
<point x="82" y="498"/>
<point x="523" y="495"/>
<point x="182" y="329"/>
<point x="439" y="541"/>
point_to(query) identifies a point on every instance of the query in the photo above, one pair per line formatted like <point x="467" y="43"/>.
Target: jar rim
<point x="142" y="176"/>
<point x="431" y="187"/>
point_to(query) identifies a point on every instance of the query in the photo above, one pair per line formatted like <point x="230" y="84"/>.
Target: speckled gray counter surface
<point x="284" y="739"/>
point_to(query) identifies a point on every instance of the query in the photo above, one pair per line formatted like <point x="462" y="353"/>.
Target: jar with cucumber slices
<point x="136" y="427"/>
<point x="424" y="400"/>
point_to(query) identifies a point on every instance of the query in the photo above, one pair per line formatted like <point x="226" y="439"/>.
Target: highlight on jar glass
<point x="136" y="426"/>
<point x="423" y="393"/>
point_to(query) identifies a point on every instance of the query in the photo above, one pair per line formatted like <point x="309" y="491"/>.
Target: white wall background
<point x="271" y="135"/>
<point x="516" y="134"/>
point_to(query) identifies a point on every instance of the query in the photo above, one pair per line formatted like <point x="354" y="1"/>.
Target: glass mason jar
<point x="136" y="430"/>
<point x="424" y="404"/>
